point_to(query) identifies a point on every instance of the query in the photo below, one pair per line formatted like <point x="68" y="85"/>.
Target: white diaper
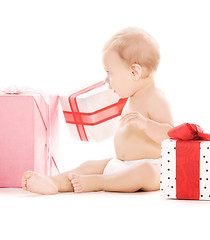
<point x="116" y="165"/>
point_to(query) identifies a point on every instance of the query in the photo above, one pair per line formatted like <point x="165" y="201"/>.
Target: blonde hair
<point x="135" y="46"/>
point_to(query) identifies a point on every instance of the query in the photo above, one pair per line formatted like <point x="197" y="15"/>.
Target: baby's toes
<point x="23" y="184"/>
<point x="75" y="181"/>
<point x="27" y="175"/>
<point x="77" y="188"/>
<point x="71" y="176"/>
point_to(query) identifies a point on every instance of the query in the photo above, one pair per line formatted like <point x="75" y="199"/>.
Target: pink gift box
<point x="92" y="113"/>
<point x="28" y="136"/>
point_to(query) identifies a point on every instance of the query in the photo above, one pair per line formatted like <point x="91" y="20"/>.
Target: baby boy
<point x="130" y="59"/>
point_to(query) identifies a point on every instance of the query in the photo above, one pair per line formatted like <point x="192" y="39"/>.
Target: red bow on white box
<point x="187" y="131"/>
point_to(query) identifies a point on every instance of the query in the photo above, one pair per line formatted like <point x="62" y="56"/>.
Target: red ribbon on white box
<point x="188" y="169"/>
<point x="188" y="159"/>
<point x="81" y="119"/>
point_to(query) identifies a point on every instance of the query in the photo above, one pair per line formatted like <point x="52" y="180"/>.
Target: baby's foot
<point x="85" y="183"/>
<point x="36" y="183"/>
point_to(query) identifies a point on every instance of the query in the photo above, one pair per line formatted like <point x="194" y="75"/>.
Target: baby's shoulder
<point x="156" y="97"/>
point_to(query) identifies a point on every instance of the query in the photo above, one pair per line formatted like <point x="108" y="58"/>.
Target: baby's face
<point x="119" y="74"/>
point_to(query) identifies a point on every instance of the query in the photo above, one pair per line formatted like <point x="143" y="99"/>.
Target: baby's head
<point x="135" y="46"/>
<point x="135" y="49"/>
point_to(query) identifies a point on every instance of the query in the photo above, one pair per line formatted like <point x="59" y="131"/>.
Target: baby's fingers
<point x="128" y="116"/>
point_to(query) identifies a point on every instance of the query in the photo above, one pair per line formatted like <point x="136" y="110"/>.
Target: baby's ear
<point x="136" y="71"/>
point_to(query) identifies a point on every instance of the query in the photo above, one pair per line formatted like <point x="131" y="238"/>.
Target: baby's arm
<point x="157" y="131"/>
<point x="159" y="120"/>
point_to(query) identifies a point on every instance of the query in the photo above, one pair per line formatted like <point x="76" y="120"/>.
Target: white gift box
<point x="92" y="113"/>
<point x="185" y="169"/>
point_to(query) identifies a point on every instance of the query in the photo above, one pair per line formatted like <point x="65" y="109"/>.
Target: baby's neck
<point x="146" y="84"/>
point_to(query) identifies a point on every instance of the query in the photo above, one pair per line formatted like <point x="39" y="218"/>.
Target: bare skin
<point x="145" y="122"/>
<point x="144" y="176"/>
<point x="34" y="182"/>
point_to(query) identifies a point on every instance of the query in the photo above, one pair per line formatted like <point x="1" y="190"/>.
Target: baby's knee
<point x="86" y="164"/>
<point x="90" y="167"/>
<point x="94" y="166"/>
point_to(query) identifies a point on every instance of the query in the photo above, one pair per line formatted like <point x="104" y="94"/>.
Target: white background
<point x="56" y="46"/>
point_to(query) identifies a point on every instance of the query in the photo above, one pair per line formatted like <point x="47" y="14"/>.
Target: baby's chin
<point x="114" y="91"/>
<point x="123" y="95"/>
<point x="120" y="94"/>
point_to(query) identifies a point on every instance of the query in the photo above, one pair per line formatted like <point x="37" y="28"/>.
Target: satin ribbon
<point x="81" y="119"/>
<point x="189" y="137"/>
<point x="13" y="90"/>
<point x="188" y="131"/>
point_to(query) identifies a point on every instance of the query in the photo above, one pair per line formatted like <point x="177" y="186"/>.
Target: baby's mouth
<point x="112" y="88"/>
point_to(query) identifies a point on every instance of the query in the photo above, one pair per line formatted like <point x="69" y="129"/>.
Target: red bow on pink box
<point x="187" y="131"/>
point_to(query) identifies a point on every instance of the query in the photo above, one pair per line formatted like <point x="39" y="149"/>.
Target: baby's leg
<point x="86" y="168"/>
<point x="144" y="176"/>
<point x="34" y="182"/>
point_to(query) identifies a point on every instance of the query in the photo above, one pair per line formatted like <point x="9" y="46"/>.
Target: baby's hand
<point x="134" y="118"/>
